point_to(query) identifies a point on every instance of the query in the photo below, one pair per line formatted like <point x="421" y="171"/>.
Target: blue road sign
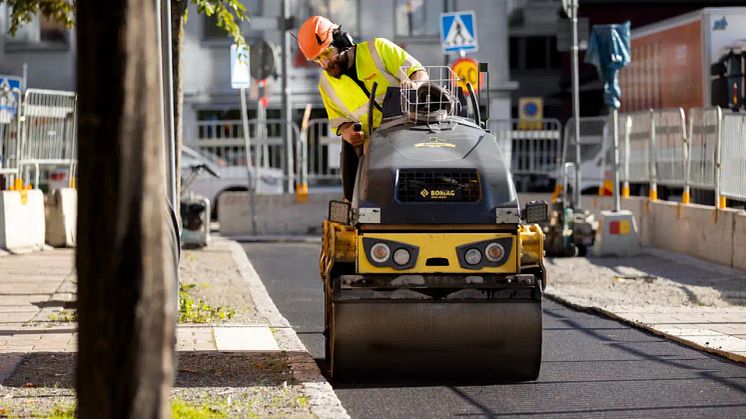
<point x="458" y="32"/>
<point x="10" y="95"/>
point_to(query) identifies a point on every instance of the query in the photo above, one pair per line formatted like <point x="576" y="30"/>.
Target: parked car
<point x="231" y="178"/>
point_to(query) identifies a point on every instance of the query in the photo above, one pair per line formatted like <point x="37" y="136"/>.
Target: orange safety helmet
<point x="315" y="35"/>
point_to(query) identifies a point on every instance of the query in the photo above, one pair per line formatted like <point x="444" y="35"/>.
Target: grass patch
<point x="191" y="311"/>
<point x="204" y="410"/>
<point x="64" y="316"/>
<point x="57" y="412"/>
<point x="62" y="412"/>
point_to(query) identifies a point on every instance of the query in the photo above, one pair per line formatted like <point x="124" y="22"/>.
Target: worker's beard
<point x="337" y="68"/>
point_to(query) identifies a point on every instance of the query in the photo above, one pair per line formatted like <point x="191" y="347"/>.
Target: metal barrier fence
<point x="595" y="153"/>
<point x="530" y="149"/>
<point x="322" y="151"/>
<point x="635" y="151"/>
<point x="733" y="157"/>
<point x="704" y="138"/>
<point x="670" y="146"/>
<point x="10" y="129"/>
<point x="224" y="139"/>
<point x="49" y="132"/>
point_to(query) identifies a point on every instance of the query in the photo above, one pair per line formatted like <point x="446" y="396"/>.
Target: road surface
<point x="591" y="366"/>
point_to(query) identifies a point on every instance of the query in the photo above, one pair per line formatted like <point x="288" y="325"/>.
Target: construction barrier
<point x="61" y="211"/>
<point x="595" y="156"/>
<point x="660" y="147"/>
<point x="636" y="151"/>
<point x="733" y="157"/>
<point x="275" y="214"/>
<point x="532" y="150"/>
<point x="670" y="139"/>
<point x="10" y="128"/>
<point x="717" y="235"/>
<point x="704" y="138"/>
<point x="322" y="153"/>
<point x="49" y="133"/>
<point x="22" y="226"/>
<point x="225" y="140"/>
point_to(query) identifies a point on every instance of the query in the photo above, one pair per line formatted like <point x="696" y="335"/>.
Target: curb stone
<point x="644" y="326"/>
<point x="322" y="399"/>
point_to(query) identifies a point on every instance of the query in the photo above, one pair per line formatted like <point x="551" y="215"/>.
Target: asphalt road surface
<point x="591" y="366"/>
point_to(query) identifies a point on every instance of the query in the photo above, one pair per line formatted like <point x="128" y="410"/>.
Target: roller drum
<point x="482" y="339"/>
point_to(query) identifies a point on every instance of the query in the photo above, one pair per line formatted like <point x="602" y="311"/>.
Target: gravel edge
<point x="599" y="310"/>
<point x="322" y="399"/>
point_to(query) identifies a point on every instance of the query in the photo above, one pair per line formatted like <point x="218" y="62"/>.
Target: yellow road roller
<point x="434" y="268"/>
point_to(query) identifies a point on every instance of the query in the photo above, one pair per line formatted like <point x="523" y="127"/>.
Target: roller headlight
<point x="380" y="252"/>
<point x="401" y="256"/>
<point x="494" y="252"/>
<point x="473" y="256"/>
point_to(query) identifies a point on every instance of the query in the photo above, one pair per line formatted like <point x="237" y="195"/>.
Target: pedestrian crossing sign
<point x="458" y="32"/>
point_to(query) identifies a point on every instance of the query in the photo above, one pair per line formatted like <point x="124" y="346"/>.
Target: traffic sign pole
<point x="241" y="79"/>
<point x="247" y="148"/>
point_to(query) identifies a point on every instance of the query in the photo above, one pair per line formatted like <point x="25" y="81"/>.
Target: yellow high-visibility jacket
<point x="378" y="61"/>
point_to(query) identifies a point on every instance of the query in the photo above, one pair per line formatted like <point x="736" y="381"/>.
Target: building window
<point x="342" y="12"/>
<point x="534" y="53"/>
<point x="40" y="33"/>
<point x="416" y="18"/>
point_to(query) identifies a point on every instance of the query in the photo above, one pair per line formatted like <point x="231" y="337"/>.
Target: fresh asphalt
<point x="591" y="366"/>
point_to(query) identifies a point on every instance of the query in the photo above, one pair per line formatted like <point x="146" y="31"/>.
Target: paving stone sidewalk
<point x="251" y="362"/>
<point x="694" y="302"/>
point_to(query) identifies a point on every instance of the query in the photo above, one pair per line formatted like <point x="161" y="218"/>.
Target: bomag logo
<point x="435" y="142"/>
<point x="438" y="193"/>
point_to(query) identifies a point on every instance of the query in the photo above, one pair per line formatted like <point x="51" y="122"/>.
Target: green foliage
<point x="228" y="13"/>
<point x="23" y="11"/>
<point x="62" y="412"/>
<point x="183" y="409"/>
<point x="65" y="316"/>
<point x="191" y="311"/>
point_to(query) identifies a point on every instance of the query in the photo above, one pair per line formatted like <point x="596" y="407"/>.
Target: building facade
<point x="412" y="24"/>
<point x="48" y="52"/>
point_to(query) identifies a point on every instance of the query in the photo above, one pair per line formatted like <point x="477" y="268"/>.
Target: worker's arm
<point x="340" y="122"/>
<point x="397" y="60"/>
<point x="415" y="79"/>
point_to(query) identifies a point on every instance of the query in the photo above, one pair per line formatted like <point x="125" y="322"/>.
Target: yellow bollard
<point x="723" y="202"/>
<point x="18" y="185"/>
<point x="685" y="198"/>
<point x="72" y="182"/>
<point x="556" y="193"/>
<point x="625" y="191"/>
<point x="301" y="192"/>
<point x="653" y="194"/>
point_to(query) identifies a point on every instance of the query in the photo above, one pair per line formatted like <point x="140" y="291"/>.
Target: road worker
<point x="350" y="70"/>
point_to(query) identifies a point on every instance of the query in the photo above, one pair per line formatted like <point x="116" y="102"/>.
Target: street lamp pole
<point x="573" y="6"/>
<point x="287" y="114"/>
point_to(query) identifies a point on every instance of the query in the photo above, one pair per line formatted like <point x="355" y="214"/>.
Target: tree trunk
<point x="178" y="13"/>
<point x="125" y="262"/>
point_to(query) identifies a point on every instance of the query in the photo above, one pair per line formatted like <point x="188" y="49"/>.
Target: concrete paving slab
<point x="16" y="317"/>
<point x="692" y="301"/>
<point x="245" y="339"/>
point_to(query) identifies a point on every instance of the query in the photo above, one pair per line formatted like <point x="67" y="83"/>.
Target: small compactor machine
<point x="433" y="268"/>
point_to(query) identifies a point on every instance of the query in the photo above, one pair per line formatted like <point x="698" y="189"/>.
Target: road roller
<point x="433" y="268"/>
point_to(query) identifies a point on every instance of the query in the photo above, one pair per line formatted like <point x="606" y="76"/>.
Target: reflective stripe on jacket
<point x="375" y="61"/>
